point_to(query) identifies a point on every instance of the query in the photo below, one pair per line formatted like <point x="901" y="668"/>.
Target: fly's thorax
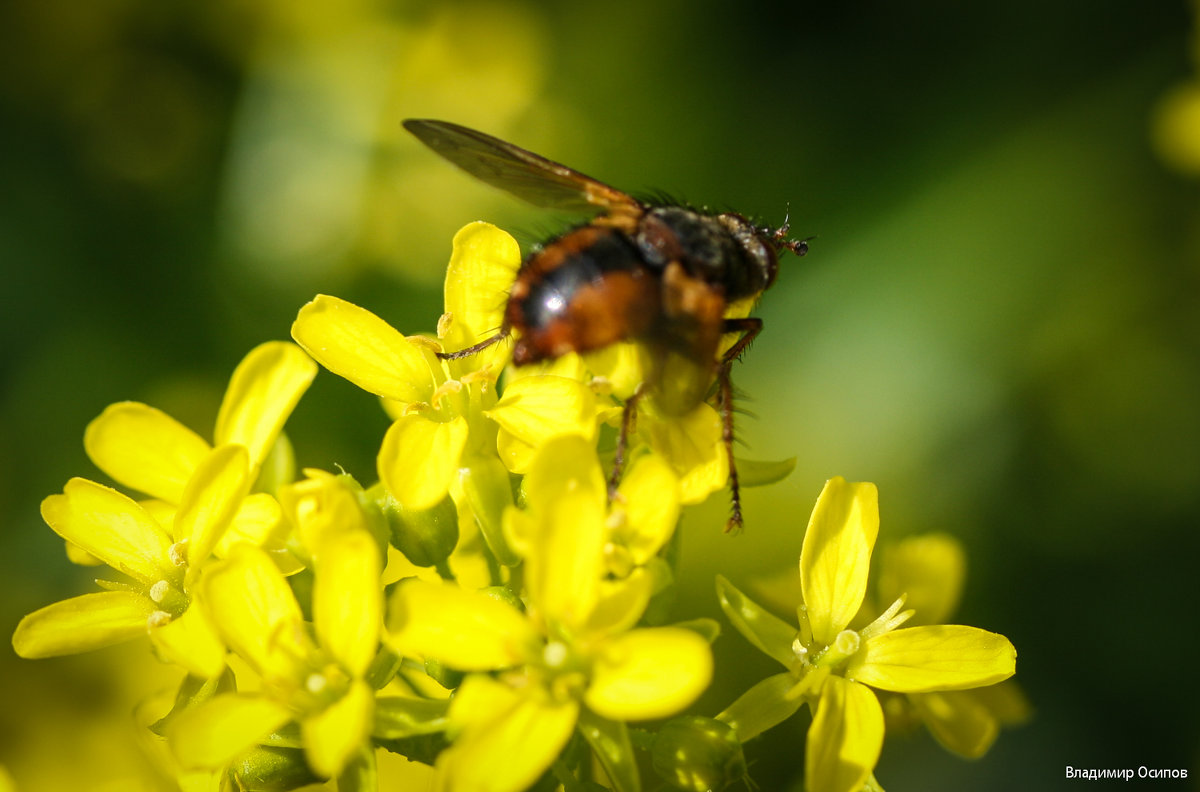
<point x="725" y="251"/>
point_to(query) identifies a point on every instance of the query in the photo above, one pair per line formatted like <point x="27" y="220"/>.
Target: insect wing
<point x="526" y="175"/>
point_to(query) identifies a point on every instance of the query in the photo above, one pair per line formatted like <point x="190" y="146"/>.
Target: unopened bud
<point x="698" y="754"/>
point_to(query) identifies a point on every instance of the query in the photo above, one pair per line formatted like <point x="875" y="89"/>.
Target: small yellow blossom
<point x="116" y="530"/>
<point x="448" y="425"/>
<point x="930" y="569"/>
<point x="148" y="451"/>
<point x="832" y="668"/>
<point x="519" y="579"/>
<point x="317" y="678"/>
<point x="200" y="497"/>
<point x="572" y="659"/>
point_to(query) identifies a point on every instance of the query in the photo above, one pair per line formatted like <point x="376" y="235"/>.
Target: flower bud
<point x="446" y="677"/>
<point x="698" y="754"/>
<point x="427" y="537"/>
<point x="264" y="769"/>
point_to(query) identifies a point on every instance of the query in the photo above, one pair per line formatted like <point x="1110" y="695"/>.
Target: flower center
<point x="843" y="647"/>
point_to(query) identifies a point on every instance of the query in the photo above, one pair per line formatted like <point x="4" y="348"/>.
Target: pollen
<point x="158" y="592"/>
<point x="555" y="654"/>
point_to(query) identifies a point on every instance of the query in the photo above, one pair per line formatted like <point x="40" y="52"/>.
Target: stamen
<point x="805" y="636"/>
<point x="159" y="591"/>
<point x="158" y="619"/>
<point x="422" y="341"/>
<point x="555" y="654"/>
<point x="889" y="620"/>
<point x="447" y="388"/>
<point x="800" y="650"/>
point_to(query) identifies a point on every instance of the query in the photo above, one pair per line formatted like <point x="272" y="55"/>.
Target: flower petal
<point x="508" y="738"/>
<point x="959" y="720"/>
<point x="254" y="611"/>
<point x="836" y="555"/>
<point x="419" y="459"/>
<point x="649" y="498"/>
<point x="928" y="571"/>
<point x="565" y="464"/>
<point x="649" y="673"/>
<point x="356" y="344"/>
<point x="81" y="624"/>
<point x="621" y="603"/>
<point x="564" y="559"/>
<point x="940" y="657"/>
<point x="623" y="366"/>
<point x="483" y="266"/>
<point x="110" y="526"/>
<point x="535" y="409"/>
<point x="347" y="599"/>
<point x="210" y="501"/>
<point x="334" y="735"/>
<point x="323" y="508"/>
<point x="145" y="449"/>
<point x="262" y="393"/>
<point x="465" y="630"/>
<point x="845" y="738"/>
<point x="692" y="444"/>
<point x="191" y="641"/>
<point x="214" y="733"/>
<point x="259" y="520"/>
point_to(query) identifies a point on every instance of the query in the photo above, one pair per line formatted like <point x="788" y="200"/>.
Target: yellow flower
<point x="448" y="424"/>
<point x="159" y="562"/>
<point x="315" y="678"/>
<point x="161" y="545"/>
<point x="571" y="660"/>
<point x="690" y="442"/>
<point x="832" y="668"/>
<point x="148" y="451"/>
<point x="930" y="569"/>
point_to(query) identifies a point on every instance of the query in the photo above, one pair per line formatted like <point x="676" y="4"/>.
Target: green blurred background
<point x="998" y="322"/>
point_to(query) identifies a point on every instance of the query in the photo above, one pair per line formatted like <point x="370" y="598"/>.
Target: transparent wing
<point x="526" y="175"/>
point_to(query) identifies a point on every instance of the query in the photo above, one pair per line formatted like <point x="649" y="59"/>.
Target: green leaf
<point x="770" y="635"/>
<point x="610" y="741"/>
<point x="759" y="473"/>
<point x="763" y="706"/>
<point x="360" y="774"/>
<point x="397" y="717"/>
<point x="193" y="692"/>
<point x="708" y="629"/>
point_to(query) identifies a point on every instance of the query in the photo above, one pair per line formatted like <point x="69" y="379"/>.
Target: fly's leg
<point x="474" y="348"/>
<point x="749" y="327"/>
<point x="628" y="415"/>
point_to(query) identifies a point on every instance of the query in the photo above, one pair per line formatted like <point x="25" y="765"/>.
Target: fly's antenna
<point x="780" y="235"/>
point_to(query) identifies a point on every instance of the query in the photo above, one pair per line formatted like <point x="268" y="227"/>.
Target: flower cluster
<point x="492" y="607"/>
